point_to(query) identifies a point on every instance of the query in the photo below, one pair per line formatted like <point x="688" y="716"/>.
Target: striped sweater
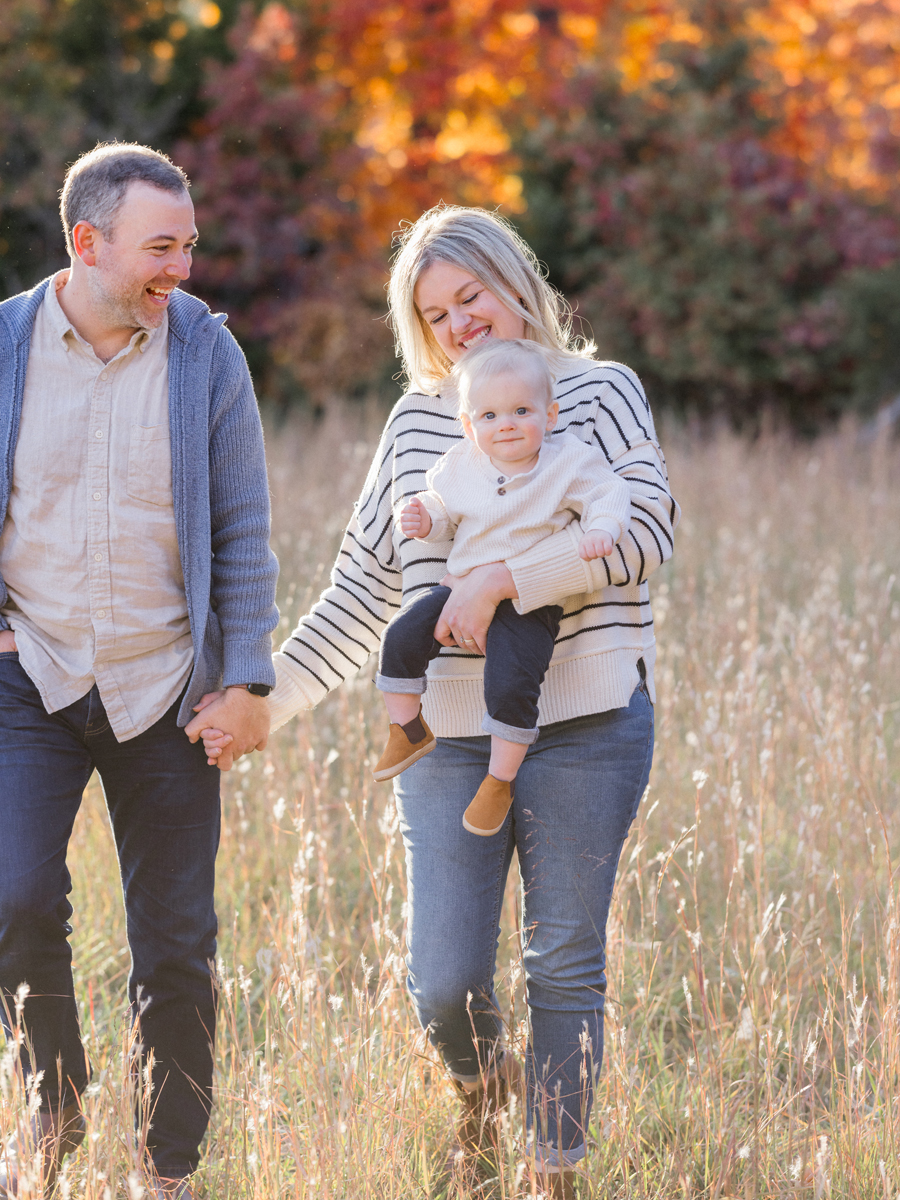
<point x="607" y="624"/>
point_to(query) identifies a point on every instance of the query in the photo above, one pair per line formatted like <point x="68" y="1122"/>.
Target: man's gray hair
<point x="95" y="185"/>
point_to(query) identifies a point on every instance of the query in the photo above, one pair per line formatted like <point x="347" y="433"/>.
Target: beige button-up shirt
<point x="89" y="548"/>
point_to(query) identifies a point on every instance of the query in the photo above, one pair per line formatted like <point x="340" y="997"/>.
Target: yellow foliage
<point x="520" y="25"/>
<point x="482" y="134"/>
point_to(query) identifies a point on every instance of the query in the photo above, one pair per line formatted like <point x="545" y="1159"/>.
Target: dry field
<point x="753" y="1035"/>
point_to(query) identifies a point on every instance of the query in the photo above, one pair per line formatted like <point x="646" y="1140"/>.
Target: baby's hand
<point x="415" y="520"/>
<point x="215" y="742"/>
<point x="595" y="544"/>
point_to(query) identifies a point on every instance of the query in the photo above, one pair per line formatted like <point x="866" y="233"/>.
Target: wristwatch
<point x="255" y="689"/>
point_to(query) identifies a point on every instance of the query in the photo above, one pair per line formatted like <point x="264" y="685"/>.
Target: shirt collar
<point x="66" y="331"/>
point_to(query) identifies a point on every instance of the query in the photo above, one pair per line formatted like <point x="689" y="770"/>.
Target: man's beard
<point x="119" y="303"/>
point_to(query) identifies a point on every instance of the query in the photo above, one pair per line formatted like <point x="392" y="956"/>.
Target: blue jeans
<point x="577" y="793"/>
<point x="163" y="803"/>
<point x="518" y="651"/>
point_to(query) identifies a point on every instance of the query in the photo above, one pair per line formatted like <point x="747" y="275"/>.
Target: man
<point x="135" y="576"/>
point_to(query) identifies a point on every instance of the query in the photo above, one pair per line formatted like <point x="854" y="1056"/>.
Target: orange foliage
<point x="837" y="72"/>
<point x="339" y="119"/>
<point x="829" y="73"/>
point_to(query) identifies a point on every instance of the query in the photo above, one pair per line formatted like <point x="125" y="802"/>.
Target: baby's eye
<point x="521" y="411"/>
<point x="488" y="416"/>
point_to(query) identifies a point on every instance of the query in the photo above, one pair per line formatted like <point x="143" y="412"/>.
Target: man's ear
<point x="466" y="422"/>
<point x="86" y="239"/>
<point x="552" y="415"/>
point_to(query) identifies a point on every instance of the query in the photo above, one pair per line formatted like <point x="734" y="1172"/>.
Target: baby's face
<point x="507" y="419"/>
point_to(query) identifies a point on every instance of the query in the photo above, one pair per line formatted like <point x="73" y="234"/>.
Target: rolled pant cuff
<point x="473" y="1082"/>
<point x="549" y="1160"/>
<point x="401" y="687"/>
<point x="509" y="733"/>
<point x="469" y="1082"/>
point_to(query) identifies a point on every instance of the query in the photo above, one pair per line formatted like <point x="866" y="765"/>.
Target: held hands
<point x="595" y="544"/>
<point x="415" y="520"/>
<point x="232" y="723"/>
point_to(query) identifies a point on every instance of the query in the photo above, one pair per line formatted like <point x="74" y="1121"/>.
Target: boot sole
<point x="390" y="772"/>
<point x="483" y="832"/>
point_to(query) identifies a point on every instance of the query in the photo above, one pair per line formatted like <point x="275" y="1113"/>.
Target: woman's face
<point x="461" y="311"/>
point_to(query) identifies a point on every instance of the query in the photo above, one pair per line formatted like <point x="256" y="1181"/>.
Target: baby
<point x="506" y="486"/>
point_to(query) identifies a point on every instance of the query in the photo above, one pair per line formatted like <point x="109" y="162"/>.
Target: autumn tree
<point x="337" y="121"/>
<point x="698" y="251"/>
<point x="75" y="72"/>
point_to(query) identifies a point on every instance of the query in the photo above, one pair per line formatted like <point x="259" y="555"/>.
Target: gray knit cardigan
<point x="221" y="494"/>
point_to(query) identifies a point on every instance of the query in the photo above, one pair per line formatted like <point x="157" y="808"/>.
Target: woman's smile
<point x="461" y="312"/>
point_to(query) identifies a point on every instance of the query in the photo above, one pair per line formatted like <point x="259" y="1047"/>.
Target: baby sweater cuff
<point x="549" y="571"/>
<point x="289" y="696"/>
<point x="605" y="525"/>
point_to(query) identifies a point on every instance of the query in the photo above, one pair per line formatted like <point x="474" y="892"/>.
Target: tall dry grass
<point x="753" y="1045"/>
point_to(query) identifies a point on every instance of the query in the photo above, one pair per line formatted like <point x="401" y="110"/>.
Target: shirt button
<point x="98" y="495"/>
<point x="98" y="558"/>
<point x="102" y="613"/>
<point x="502" y="479"/>
<point x="98" y="433"/>
<point x="104" y="375"/>
<point x="501" y="491"/>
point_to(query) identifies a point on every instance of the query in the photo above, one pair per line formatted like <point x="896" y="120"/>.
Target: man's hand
<point x="415" y="519"/>
<point x="235" y="713"/>
<point x="7" y="642"/>
<point x="470" y="610"/>
<point x="595" y="544"/>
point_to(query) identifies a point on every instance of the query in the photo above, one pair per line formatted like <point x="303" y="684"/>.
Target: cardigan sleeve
<point x="622" y="428"/>
<point x="243" y="569"/>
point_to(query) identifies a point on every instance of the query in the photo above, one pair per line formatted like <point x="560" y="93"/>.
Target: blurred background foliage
<point x="711" y="183"/>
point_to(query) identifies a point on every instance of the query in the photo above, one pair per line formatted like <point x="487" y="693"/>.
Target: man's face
<point x="134" y="274"/>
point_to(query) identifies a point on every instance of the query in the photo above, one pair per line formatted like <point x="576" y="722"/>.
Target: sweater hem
<point x="577" y="687"/>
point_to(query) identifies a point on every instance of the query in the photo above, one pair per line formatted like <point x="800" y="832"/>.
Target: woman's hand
<point x="470" y="610"/>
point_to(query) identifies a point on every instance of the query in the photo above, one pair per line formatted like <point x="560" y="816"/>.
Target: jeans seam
<point x="498" y="905"/>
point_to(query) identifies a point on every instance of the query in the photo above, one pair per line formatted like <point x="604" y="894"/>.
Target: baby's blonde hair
<point x="513" y="356"/>
<point x="487" y="246"/>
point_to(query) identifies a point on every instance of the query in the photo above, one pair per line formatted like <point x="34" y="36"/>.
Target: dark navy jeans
<point x="163" y="803"/>
<point x="518" y="651"/>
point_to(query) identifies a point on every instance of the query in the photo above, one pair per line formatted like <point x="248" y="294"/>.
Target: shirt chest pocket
<point x="150" y="465"/>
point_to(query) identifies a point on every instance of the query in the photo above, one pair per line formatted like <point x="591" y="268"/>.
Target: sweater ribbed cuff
<point x="550" y="571"/>
<point x="248" y="662"/>
<point x="606" y="525"/>
<point x="289" y="696"/>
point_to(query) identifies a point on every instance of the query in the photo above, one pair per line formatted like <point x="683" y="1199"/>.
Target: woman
<point x="463" y="275"/>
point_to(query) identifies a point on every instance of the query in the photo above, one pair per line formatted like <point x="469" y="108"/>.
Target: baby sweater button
<point x="502" y="479"/>
<point x="501" y="491"/>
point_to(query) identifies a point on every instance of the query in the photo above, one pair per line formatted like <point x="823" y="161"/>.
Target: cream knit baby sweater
<point x="491" y="517"/>
<point x="606" y="625"/>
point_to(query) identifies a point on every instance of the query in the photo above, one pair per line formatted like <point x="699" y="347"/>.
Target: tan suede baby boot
<point x="487" y="812"/>
<point x="406" y="745"/>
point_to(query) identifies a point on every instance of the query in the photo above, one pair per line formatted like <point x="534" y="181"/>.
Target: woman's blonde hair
<point x="488" y="247"/>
